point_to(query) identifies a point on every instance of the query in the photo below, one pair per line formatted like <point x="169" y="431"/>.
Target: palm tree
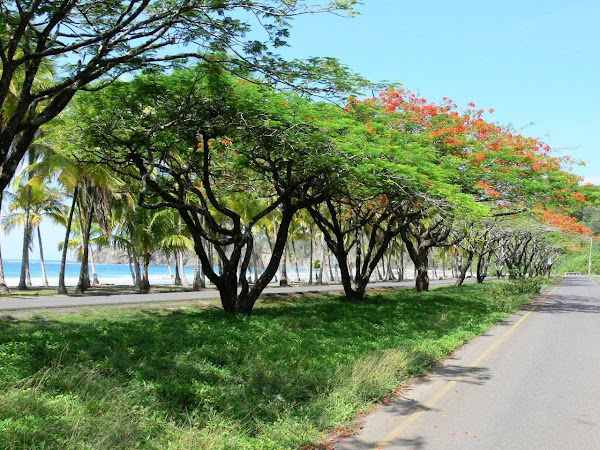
<point x="89" y="186"/>
<point x="143" y="232"/>
<point x="43" y="80"/>
<point x="29" y="205"/>
<point x="119" y="227"/>
<point x="67" y="173"/>
<point x="75" y="243"/>
<point x="3" y="286"/>
<point x="175" y="240"/>
<point x="25" y="279"/>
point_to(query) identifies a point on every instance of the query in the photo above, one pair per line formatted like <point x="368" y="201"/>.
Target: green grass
<point x="193" y="378"/>
<point x="578" y="261"/>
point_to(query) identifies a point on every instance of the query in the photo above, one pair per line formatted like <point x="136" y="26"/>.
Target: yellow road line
<point x="388" y="438"/>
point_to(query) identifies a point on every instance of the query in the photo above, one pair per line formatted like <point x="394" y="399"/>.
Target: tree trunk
<point x="331" y="276"/>
<point x="203" y="276"/>
<point x="462" y="274"/>
<point x="499" y="272"/>
<point x="94" y="272"/>
<point x="379" y="276"/>
<point x="62" y="289"/>
<point x="355" y="287"/>
<point x="84" y="273"/>
<point x="322" y="261"/>
<point x="444" y="265"/>
<point x="210" y="255"/>
<point x="351" y="292"/>
<point x="401" y="268"/>
<point x="422" y="281"/>
<point x="229" y="294"/>
<point x="184" y="280"/>
<point x="256" y="260"/>
<point x="310" y="265"/>
<point x="220" y="265"/>
<point x="23" y="284"/>
<point x="235" y="264"/>
<point x="42" y="262"/>
<point x="169" y="268"/>
<point x="390" y="274"/>
<point x="138" y="272"/>
<point x="28" y="275"/>
<point x="284" y="278"/>
<point x="145" y="285"/>
<point x="177" y="280"/>
<point x="199" y="282"/>
<point x="419" y="254"/>
<point x="296" y="261"/>
<point x="270" y="242"/>
<point x="3" y="286"/>
<point x="358" y="237"/>
<point x="456" y="265"/>
<point x="131" y="267"/>
<point x="483" y="267"/>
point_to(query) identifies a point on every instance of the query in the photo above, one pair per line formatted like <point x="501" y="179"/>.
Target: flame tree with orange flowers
<point x="388" y="177"/>
<point x="507" y="172"/>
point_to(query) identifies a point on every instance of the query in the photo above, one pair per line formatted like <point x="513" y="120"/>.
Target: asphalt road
<point x="532" y="382"/>
<point x="65" y="301"/>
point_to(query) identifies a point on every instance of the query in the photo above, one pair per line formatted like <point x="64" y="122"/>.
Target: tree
<point x="423" y="234"/>
<point x="96" y="187"/>
<point x="173" y="238"/>
<point x="481" y="240"/>
<point x="102" y="39"/>
<point x="392" y="177"/>
<point x="507" y="173"/>
<point x="30" y="204"/>
<point x="23" y="177"/>
<point x="86" y="184"/>
<point x="193" y="141"/>
<point x="149" y="231"/>
<point x="591" y="217"/>
<point x="3" y="286"/>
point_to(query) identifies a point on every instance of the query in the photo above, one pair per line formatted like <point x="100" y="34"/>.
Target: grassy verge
<point x="198" y="378"/>
<point x="577" y="261"/>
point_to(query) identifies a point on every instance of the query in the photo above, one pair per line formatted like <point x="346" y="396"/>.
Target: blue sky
<point x="537" y="63"/>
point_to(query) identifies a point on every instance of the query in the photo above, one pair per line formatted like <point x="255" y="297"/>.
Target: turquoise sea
<point x="107" y="273"/>
<point x="118" y="274"/>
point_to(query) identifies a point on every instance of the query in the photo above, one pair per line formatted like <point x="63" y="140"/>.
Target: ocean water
<point x="119" y="274"/>
<point x="107" y="273"/>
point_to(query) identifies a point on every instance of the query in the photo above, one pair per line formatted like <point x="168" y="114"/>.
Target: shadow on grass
<point x="202" y="366"/>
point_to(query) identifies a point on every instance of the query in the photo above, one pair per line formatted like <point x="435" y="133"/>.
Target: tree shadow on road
<point x="561" y="304"/>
